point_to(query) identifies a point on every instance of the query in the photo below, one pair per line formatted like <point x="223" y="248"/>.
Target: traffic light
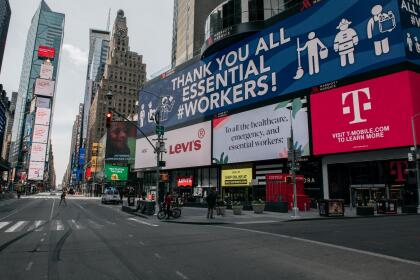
<point x="108" y="119"/>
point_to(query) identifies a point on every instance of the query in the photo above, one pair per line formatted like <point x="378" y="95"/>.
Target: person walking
<point x="63" y="197"/>
<point x="211" y="203"/>
<point x="168" y="202"/>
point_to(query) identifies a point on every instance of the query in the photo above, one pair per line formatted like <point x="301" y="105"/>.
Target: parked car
<point x="111" y="196"/>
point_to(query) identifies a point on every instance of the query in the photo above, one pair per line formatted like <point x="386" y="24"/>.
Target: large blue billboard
<point x="410" y="22"/>
<point x="330" y="41"/>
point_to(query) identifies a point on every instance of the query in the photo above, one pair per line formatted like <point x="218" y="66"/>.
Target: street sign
<point x="160" y="130"/>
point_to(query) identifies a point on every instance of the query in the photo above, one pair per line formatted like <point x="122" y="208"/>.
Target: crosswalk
<point x="53" y="225"/>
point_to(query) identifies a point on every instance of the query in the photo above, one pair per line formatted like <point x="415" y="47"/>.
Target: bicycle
<point x="175" y="212"/>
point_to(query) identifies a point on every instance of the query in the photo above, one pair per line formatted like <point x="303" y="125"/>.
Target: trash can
<point x="131" y="200"/>
<point x="331" y="207"/>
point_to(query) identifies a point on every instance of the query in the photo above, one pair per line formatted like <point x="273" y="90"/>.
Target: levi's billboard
<point x="329" y="41"/>
<point x="186" y="147"/>
<point x="373" y="114"/>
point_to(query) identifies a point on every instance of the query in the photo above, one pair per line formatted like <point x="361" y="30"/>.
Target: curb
<point x="129" y="210"/>
<point x="345" y="218"/>
<point x="196" y="223"/>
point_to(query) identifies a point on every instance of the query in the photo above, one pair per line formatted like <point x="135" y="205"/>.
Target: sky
<point x="149" y="29"/>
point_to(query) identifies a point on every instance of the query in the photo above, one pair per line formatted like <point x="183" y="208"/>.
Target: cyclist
<point x="168" y="202"/>
<point x="63" y="198"/>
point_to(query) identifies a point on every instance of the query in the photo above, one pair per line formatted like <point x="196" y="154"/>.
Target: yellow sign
<point x="94" y="164"/>
<point x="239" y="177"/>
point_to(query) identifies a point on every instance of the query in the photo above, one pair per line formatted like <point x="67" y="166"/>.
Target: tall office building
<point x="188" y="28"/>
<point x="5" y="13"/>
<point x="124" y="74"/>
<point x="44" y="40"/>
<point x="98" y="52"/>
<point x="8" y="132"/>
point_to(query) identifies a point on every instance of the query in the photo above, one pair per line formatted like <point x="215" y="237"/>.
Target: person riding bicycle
<point x="168" y="202"/>
<point x="63" y="197"/>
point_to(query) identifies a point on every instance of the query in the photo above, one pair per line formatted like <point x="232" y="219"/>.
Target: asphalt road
<point x="87" y="240"/>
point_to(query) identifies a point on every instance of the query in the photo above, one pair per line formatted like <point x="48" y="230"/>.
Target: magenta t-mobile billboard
<point x="373" y="114"/>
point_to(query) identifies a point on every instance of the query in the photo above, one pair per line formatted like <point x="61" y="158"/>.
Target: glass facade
<point x="5" y="13"/>
<point x="47" y="29"/>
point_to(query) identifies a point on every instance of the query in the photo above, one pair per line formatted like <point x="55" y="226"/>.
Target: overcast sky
<point x="150" y="31"/>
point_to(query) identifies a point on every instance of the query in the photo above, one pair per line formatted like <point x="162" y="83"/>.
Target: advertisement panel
<point x="42" y="102"/>
<point x="42" y="116"/>
<point x="46" y="71"/>
<point x="44" y="87"/>
<point x="186" y="147"/>
<point x="116" y="173"/>
<point x="373" y="114"/>
<point x="36" y="171"/>
<point x="46" y="52"/>
<point x="40" y="134"/>
<point x="236" y="177"/>
<point x="327" y="42"/>
<point x="38" y="151"/>
<point x="184" y="181"/>
<point x="121" y="142"/>
<point x="410" y="21"/>
<point x="260" y="134"/>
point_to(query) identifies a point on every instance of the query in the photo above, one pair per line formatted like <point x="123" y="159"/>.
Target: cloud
<point x="77" y="56"/>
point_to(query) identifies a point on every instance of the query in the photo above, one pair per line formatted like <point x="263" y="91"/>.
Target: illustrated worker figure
<point x="345" y="41"/>
<point x="142" y="115"/>
<point x="417" y="45"/>
<point x="316" y="50"/>
<point x="378" y="26"/>
<point x="409" y="42"/>
<point x="167" y="105"/>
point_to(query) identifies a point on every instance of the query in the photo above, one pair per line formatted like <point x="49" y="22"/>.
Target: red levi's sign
<point x="373" y="114"/>
<point x="185" y="181"/>
<point x="46" y="52"/>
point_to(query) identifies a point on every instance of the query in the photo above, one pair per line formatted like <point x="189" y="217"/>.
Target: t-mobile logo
<point x="356" y="104"/>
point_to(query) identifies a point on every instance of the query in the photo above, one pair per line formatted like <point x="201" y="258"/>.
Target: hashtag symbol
<point x="413" y="20"/>
<point x="180" y="111"/>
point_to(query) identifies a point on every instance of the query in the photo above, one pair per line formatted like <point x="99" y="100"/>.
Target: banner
<point x="260" y="134"/>
<point x="40" y="134"/>
<point x="410" y="21"/>
<point x="186" y="147"/>
<point x="46" y="71"/>
<point x="373" y="114"/>
<point x="236" y="177"/>
<point x="42" y="116"/>
<point x="330" y="41"/>
<point x="116" y="173"/>
<point x="42" y="102"/>
<point x="120" y="142"/>
<point x="36" y="171"/>
<point x="46" y="52"/>
<point x="38" y="152"/>
<point x="44" y="87"/>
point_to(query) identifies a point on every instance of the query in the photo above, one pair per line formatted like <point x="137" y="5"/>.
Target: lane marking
<point x="52" y="210"/>
<point x="111" y="223"/>
<point x="157" y="256"/>
<point x="141" y="243"/>
<point x="3" y="224"/>
<point x="181" y="275"/>
<point x="142" y="222"/>
<point x="17" y="227"/>
<point x="75" y="224"/>
<point x="95" y="224"/>
<point x="58" y="225"/>
<point x="256" y="222"/>
<point x="362" y="252"/>
<point x="42" y="239"/>
<point x="29" y="266"/>
<point x="36" y="225"/>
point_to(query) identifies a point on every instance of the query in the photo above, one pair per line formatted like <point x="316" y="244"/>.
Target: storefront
<point x="236" y="183"/>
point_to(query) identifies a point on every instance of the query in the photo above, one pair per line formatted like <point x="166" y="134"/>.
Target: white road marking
<point x="52" y="209"/>
<point x="111" y="223"/>
<point x="95" y="224"/>
<point x="362" y="252"/>
<point x="142" y="222"/>
<point x="256" y="222"/>
<point x="29" y="266"/>
<point x="181" y="275"/>
<point x="141" y="243"/>
<point x="58" y="225"/>
<point x="157" y="256"/>
<point x="17" y="227"/>
<point x="3" y="224"/>
<point x="42" y="239"/>
<point x="75" y="224"/>
<point x="36" y="225"/>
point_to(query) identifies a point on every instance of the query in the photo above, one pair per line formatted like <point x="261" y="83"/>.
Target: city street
<point x="86" y="240"/>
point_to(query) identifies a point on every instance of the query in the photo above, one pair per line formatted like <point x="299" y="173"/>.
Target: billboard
<point x="236" y="177"/>
<point x="36" y="170"/>
<point x="186" y="147"/>
<point x="260" y="134"/>
<point x="330" y="41"/>
<point x="46" y="52"/>
<point x="120" y="142"/>
<point x="373" y="114"/>
<point x="46" y="71"/>
<point x="42" y="116"/>
<point x="184" y="181"/>
<point x="38" y="152"/>
<point x="116" y="173"/>
<point x="40" y="134"/>
<point x="42" y="102"/>
<point x="44" y="87"/>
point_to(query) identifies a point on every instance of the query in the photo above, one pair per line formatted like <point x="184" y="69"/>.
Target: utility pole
<point x="292" y="155"/>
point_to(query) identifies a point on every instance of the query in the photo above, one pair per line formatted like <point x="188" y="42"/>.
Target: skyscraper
<point x="5" y="13"/>
<point x="188" y="28"/>
<point x="124" y="74"/>
<point x="45" y="35"/>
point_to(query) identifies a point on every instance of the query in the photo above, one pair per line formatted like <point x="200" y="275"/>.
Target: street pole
<point x="293" y="168"/>
<point x="417" y="161"/>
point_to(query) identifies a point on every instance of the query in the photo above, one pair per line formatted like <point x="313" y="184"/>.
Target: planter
<point x="237" y="210"/>
<point x="221" y="210"/>
<point x="365" y="210"/>
<point x="258" y="208"/>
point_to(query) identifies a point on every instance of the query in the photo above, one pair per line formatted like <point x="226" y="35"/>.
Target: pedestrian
<point x="168" y="202"/>
<point x="63" y="198"/>
<point x="211" y="203"/>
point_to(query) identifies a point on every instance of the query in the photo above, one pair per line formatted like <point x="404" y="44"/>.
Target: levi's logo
<point x="190" y="146"/>
<point x="355" y="107"/>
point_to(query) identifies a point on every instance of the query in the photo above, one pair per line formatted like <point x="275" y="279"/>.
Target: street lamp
<point x="292" y="159"/>
<point x="416" y="159"/>
<point x="159" y="148"/>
